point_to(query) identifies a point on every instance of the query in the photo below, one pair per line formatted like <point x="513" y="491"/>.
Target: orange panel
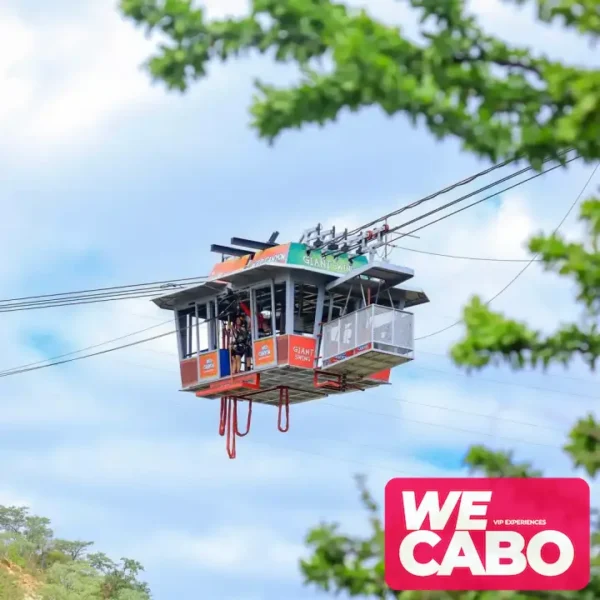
<point x="381" y="375"/>
<point x="282" y="349"/>
<point x="209" y="365"/>
<point x="250" y="381"/>
<point x="189" y="371"/>
<point x="263" y="352"/>
<point x="302" y="351"/>
<point x="276" y="254"/>
<point x="230" y="265"/>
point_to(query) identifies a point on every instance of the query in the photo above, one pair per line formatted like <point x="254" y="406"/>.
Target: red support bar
<point x="223" y="417"/>
<point x="228" y="423"/>
<point x="334" y="381"/>
<point x="248" y="420"/>
<point x="284" y="400"/>
<point x="231" y="418"/>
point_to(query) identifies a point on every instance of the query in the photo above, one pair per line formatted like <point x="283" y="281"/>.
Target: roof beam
<point x="229" y="251"/>
<point x="244" y="243"/>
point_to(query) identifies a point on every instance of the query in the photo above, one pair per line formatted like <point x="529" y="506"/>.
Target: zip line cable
<point x="68" y="360"/>
<point x="94" y="298"/>
<point x="77" y="302"/>
<point x="54" y="360"/>
<point x="107" y="296"/>
<point x="455" y="212"/>
<point x="427" y="198"/>
<point x="466" y="181"/>
<point x="431" y="424"/>
<point x="520" y="260"/>
<point x="115" y="287"/>
<point x="97" y="295"/>
<point x="583" y="189"/>
<point x="122" y="337"/>
<point x="470" y="195"/>
<point x="75" y="296"/>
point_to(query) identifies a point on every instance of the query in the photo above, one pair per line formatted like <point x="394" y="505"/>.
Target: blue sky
<point x="109" y="180"/>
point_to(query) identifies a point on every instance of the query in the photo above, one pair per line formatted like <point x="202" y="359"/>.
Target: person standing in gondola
<point x="240" y="343"/>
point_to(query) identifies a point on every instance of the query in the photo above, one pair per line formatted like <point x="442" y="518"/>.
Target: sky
<point x="107" y="179"/>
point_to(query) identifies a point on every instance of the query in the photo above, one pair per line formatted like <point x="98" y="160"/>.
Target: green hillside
<point x="35" y="565"/>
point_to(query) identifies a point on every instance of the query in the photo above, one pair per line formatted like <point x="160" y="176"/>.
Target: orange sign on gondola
<point x="302" y="351"/>
<point x="230" y="265"/>
<point x="264" y="352"/>
<point x="209" y="365"/>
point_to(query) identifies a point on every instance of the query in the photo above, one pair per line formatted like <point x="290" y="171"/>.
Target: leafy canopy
<point x="499" y="100"/>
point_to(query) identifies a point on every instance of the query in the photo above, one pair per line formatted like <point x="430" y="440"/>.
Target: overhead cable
<point x="416" y="203"/>
<point x="470" y="195"/>
<point x="526" y="266"/>
<point x="93" y="296"/>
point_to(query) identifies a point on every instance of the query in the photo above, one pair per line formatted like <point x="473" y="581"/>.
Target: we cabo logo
<point x="487" y="534"/>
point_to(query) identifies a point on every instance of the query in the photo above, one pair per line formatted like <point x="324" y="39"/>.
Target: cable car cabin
<point x="316" y="325"/>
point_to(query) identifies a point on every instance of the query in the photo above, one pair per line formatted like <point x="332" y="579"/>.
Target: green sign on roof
<point x="338" y="265"/>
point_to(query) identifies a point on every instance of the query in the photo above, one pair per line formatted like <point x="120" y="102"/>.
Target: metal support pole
<point x="347" y="300"/>
<point x="189" y="333"/>
<point x="362" y="291"/>
<point x="253" y="319"/>
<point x="179" y="340"/>
<point x="289" y="306"/>
<point x="319" y="309"/>
<point x="197" y="340"/>
<point x="273" y="320"/>
<point x="211" y="310"/>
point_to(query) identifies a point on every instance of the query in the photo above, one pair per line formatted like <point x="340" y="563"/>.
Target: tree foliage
<point x="501" y="101"/>
<point x="62" y="568"/>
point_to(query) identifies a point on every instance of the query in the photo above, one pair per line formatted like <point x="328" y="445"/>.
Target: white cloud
<point x="9" y="497"/>
<point x="16" y="47"/>
<point x="109" y="81"/>
<point x="246" y="551"/>
<point x="519" y="25"/>
<point x="94" y="58"/>
<point x="48" y="406"/>
<point x="117" y="423"/>
<point x="180" y="462"/>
